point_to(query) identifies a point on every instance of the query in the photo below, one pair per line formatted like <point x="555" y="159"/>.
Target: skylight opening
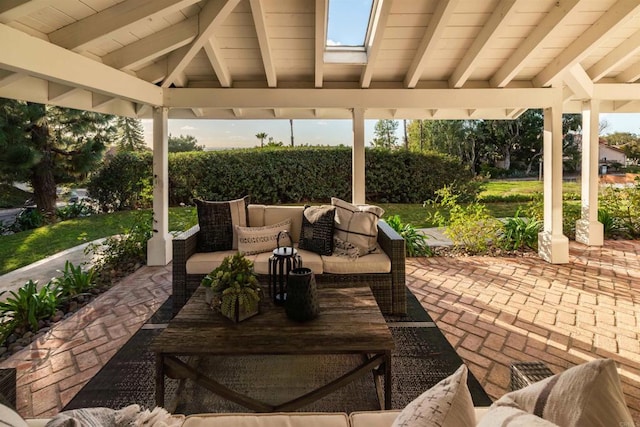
<point x="348" y="24"/>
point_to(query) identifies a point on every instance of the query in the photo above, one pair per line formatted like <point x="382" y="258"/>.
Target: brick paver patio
<point x="492" y="310"/>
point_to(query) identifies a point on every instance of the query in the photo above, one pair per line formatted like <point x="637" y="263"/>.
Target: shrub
<point x="624" y="205"/>
<point x="29" y="305"/>
<point x="416" y="242"/>
<point x="28" y="219"/>
<point x="469" y="226"/>
<point x="608" y="222"/>
<point x="75" y="210"/>
<point x="519" y="232"/>
<point x="120" y="183"/>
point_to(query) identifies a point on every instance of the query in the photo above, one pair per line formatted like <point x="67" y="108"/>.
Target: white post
<point x="159" y="247"/>
<point x="553" y="246"/>
<point x="358" y="194"/>
<point x="588" y="230"/>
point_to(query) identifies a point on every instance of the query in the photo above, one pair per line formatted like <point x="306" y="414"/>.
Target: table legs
<point x="160" y="380"/>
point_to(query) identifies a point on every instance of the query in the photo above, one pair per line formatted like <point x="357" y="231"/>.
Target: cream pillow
<point x="587" y="395"/>
<point x="255" y="240"/>
<point x="357" y="225"/>
<point x="446" y="404"/>
<point x="507" y="416"/>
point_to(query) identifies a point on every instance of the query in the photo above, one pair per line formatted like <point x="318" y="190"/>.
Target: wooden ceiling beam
<point x="434" y="31"/>
<point x="493" y="28"/>
<point x="616" y="16"/>
<point x="617" y="56"/>
<point x="260" y="22"/>
<point x="217" y="62"/>
<point x="320" y="31"/>
<point x="533" y="43"/>
<point x="375" y="40"/>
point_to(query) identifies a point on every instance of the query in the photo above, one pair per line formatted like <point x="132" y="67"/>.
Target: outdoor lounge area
<point x="490" y="309"/>
<point x="160" y="60"/>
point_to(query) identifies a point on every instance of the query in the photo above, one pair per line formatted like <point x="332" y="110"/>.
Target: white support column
<point x="588" y="230"/>
<point x="358" y="194"/>
<point x="159" y="247"/>
<point x="553" y="246"/>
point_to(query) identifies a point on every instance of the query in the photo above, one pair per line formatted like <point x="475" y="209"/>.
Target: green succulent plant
<point x="236" y="282"/>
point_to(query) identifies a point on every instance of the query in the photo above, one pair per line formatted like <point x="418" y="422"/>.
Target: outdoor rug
<point x="422" y="358"/>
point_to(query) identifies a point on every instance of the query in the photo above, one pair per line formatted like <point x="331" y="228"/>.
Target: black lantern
<point x="283" y="260"/>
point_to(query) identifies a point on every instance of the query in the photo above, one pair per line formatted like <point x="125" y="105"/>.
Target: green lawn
<point x="24" y="248"/>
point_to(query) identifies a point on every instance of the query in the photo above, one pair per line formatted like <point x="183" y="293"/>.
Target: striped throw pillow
<point x="357" y="225"/>
<point x="256" y="240"/>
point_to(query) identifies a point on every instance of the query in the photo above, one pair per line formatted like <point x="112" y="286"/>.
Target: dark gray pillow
<point x="317" y="229"/>
<point x="217" y="221"/>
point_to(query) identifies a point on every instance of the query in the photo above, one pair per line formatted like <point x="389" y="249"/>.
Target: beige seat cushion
<point x="300" y="419"/>
<point x="205" y="262"/>
<point x="309" y="259"/>
<point x="377" y="262"/>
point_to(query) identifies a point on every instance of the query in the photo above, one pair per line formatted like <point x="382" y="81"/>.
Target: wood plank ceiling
<point x="267" y="58"/>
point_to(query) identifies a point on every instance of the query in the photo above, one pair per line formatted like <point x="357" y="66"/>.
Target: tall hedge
<point x="302" y="174"/>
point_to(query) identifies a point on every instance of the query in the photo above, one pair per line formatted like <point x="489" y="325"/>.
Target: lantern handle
<point x="278" y="238"/>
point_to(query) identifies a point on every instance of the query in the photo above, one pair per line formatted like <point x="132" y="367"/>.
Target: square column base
<point x="160" y="249"/>
<point x="553" y="248"/>
<point x="591" y="233"/>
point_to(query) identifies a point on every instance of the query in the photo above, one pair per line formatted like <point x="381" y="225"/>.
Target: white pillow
<point x="357" y="225"/>
<point x="587" y="395"/>
<point x="503" y="416"/>
<point x="255" y="240"/>
<point x="446" y="404"/>
<point x="11" y="418"/>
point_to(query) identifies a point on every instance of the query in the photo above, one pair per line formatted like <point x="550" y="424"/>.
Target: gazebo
<point x="248" y="59"/>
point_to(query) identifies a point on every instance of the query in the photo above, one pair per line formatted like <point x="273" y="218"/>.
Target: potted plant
<point x="232" y="288"/>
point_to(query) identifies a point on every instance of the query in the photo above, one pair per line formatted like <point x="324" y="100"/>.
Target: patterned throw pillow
<point x="446" y="404"/>
<point x="256" y="240"/>
<point x="217" y="222"/>
<point x="317" y="229"/>
<point x="357" y="225"/>
<point x="587" y="395"/>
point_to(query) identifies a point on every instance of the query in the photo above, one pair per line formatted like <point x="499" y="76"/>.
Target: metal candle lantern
<point x="283" y="260"/>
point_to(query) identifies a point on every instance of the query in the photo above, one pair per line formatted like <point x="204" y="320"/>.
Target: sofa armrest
<point x="184" y="245"/>
<point x="394" y="246"/>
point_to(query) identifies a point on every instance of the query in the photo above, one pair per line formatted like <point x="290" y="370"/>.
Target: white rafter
<point x="217" y="62"/>
<point x="375" y="40"/>
<point x="153" y="46"/>
<point x="153" y="73"/>
<point x="101" y="24"/>
<point x="542" y="32"/>
<point x="617" y="15"/>
<point x="617" y="56"/>
<point x="630" y="75"/>
<point x="320" y="39"/>
<point x="8" y="77"/>
<point x="99" y="100"/>
<point x="491" y="29"/>
<point x="14" y="9"/>
<point x="616" y="91"/>
<point x="579" y="82"/>
<point x="210" y="17"/>
<point x="38" y="58"/>
<point x="260" y="23"/>
<point x="434" y="31"/>
<point x="58" y="92"/>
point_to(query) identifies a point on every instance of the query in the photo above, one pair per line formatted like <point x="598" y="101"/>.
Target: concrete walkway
<point x="493" y="310"/>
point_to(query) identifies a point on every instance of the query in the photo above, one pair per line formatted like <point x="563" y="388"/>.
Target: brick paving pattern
<point x="492" y="310"/>
<point x="498" y="310"/>
<point x="55" y="367"/>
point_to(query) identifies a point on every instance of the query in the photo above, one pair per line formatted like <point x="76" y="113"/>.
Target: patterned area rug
<point x="422" y="358"/>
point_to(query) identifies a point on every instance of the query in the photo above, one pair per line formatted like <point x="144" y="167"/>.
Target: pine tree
<point x="46" y="145"/>
<point x="130" y="134"/>
<point x="385" y="134"/>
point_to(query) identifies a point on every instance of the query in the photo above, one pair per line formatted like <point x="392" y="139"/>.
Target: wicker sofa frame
<point x="388" y="288"/>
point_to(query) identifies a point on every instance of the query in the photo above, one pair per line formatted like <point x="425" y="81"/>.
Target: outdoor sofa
<point x="383" y="271"/>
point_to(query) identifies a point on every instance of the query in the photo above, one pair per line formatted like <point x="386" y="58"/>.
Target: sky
<point x="215" y="134"/>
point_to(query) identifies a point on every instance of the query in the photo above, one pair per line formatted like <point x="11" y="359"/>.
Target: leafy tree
<point x="130" y="134"/>
<point x="626" y="141"/>
<point x="385" y="134"/>
<point x="273" y="143"/>
<point x="47" y="145"/>
<point x="261" y="136"/>
<point x="184" y="143"/>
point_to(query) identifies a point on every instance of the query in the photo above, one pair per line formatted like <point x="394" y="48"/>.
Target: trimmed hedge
<point x="302" y="174"/>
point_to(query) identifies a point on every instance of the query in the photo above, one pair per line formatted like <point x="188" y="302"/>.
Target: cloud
<point x="333" y="43"/>
<point x="187" y="127"/>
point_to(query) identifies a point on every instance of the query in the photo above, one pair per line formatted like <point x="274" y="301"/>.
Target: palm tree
<point x="261" y="136"/>
<point x="291" y="124"/>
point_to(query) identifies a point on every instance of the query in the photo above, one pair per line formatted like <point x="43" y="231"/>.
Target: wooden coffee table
<point x="349" y="322"/>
